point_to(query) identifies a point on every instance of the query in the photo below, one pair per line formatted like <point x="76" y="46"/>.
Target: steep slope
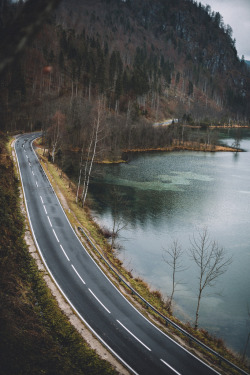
<point x="149" y="61"/>
<point x="171" y="47"/>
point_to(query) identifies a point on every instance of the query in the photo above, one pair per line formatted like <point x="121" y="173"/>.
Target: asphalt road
<point x="136" y="342"/>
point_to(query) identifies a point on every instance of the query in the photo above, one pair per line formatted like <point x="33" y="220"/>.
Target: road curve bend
<point x="135" y="341"/>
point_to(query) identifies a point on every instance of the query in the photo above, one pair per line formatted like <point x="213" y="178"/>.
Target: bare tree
<point x="237" y="140"/>
<point x="55" y="131"/>
<point x="95" y="138"/>
<point x="211" y="261"/>
<point x="80" y="175"/>
<point x="118" y="222"/>
<point x="172" y="257"/>
<point x="87" y="168"/>
<point x="248" y="337"/>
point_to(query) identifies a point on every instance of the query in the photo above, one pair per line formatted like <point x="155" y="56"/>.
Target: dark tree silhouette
<point x="16" y="34"/>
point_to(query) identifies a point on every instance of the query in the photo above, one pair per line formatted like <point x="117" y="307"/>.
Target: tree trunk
<point x="245" y="349"/>
<point x="86" y="168"/>
<point x="197" y="310"/>
<point x="95" y="135"/>
<point x="80" y="175"/>
<point x="90" y="169"/>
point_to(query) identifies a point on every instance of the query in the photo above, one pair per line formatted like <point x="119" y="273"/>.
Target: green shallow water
<point x="168" y="196"/>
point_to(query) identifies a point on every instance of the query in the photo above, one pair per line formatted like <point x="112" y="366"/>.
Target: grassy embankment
<point x="66" y="190"/>
<point x="36" y="337"/>
<point x="188" y="146"/>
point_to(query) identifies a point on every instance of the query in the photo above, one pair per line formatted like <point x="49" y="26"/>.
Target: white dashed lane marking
<point x="55" y="235"/>
<point x="165" y="363"/>
<point x="133" y="335"/>
<point x="78" y="274"/>
<point x="64" y="252"/>
<point x="49" y="221"/>
<point x="99" y="301"/>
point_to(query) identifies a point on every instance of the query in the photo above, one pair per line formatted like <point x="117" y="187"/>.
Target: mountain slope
<point x="191" y="47"/>
<point x="149" y="60"/>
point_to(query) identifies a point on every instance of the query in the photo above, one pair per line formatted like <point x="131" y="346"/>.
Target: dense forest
<point x="129" y="63"/>
<point x="95" y="78"/>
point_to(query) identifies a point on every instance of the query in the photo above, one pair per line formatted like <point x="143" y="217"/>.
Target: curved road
<point x="136" y="342"/>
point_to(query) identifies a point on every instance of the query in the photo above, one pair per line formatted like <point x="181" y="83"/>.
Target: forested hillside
<point x="176" y="50"/>
<point x="129" y="64"/>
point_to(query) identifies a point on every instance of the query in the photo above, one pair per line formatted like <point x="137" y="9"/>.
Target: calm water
<point x="171" y="195"/>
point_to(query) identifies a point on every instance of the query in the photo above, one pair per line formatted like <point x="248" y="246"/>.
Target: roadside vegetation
<point x="66" y="190"/>
<point x="36" y="337"/>
<point x="144" y="64"/>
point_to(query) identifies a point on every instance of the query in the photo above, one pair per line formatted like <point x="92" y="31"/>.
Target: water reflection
<point x="168" y="196"/>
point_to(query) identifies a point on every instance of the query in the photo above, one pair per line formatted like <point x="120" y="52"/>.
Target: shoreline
<point x="154" y="297"/>
<point x="186" y="146"/>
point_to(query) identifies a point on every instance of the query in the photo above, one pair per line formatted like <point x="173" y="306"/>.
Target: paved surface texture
<point x="137" y="343"/>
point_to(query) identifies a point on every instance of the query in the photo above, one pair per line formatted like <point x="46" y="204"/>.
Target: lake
<point x="169" y="196"/>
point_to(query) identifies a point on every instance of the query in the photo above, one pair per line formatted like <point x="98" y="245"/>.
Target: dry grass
<point x="36" y="337"/>
<point x="189" y="146"/>
<point x="66" y="191"/>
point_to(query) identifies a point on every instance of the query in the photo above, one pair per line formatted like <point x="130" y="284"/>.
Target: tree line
<point x="209" y="258"/>
<point x="167" y="78"/>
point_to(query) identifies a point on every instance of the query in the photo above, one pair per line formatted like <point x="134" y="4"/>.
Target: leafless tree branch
<point x="172" y="256"/>
<point x="211" y="261"/>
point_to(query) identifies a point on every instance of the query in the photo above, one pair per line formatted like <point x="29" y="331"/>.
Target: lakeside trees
<point x="142" y="132"/>
<point x="114" y="53"/>
<point x="248" y="337"/>
<point x="92" y="149"/>
<point x="173" y="257"/>
<point x="118" y="221"/>
<point x="211" y="261"/>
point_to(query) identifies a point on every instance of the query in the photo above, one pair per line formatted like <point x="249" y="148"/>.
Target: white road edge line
<point x="99" y="301"/>
<point x="133" y="335"/>
<point x="64" y="252"/>
<point x="45" y="210"/>
<point x="49" y="221"/>
<point x="176" y="372"/>
<point x="55" y="235"/>
<point x="158" y="329"/>
<point x="78" y="274"/>
<point x="52" y="276"/>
